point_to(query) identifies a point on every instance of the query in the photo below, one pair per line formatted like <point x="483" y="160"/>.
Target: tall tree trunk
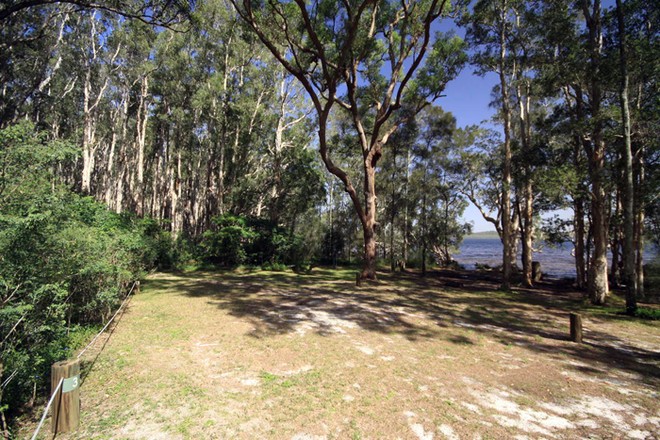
<point x="507" y="230"/>
<point x="527" y="222"/>
<point x="404" y="253"/>
<point x="615" y="240"/>
<point x="629" y="277"/>
<point x="597" y="284"/>
<point x="578" y="225"/>
<point x="88" y="152"/>
<point x="142" y="119"/>
<point x="393" y="210"/>
<point x="447" y="257"/>
<point x="90" y="104"/>
<point x="526" y="210"/>
<point x="369" y="220"/>
<point x="278" y="147"/>
<point x="582" y="231"/>
<point x="424" y="227"/>
<point x="639" y="224"/>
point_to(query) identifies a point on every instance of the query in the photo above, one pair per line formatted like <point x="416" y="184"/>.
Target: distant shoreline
<point x="485" y="234"/>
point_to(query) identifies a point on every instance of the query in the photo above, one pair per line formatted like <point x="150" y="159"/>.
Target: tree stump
<point x="66" y="405"/>
<point x="536" y="271"/>
<point x="576" y="328"/>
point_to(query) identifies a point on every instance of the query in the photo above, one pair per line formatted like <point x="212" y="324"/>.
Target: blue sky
<point x="468" y="98"/>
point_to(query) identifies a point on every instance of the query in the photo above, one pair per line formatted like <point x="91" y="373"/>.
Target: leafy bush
<point x="648" y="313"/>
<point x="226" y="245"/>
<point x="66" y="262"/>
<point x="237" y="240"/>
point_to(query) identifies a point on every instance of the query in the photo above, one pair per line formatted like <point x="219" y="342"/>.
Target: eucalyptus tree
<point x="490" y="29"/>
<point x="633" y="43"/>
<point x="154" y="12"/>
<point x="32" y="48"/>
<point x="477" y="171"/>
<point x="438" y="203"/>
<point x="396" y="204"/>
<point x="561" y="71"/>
<point x="377" y="61"/>
<point x="586" y="94"/>
<point x="527" y="109"/>
<point x="595" y="147"/>
<point x="629" y="191"/>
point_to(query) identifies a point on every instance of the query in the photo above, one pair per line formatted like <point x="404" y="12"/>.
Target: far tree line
<point x="189" y="112"/>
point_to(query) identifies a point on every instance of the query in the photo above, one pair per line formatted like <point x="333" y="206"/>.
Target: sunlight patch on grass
<point x="219" y="353"/>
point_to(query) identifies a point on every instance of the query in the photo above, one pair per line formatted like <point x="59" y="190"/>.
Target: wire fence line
<point x="50" y="402"/>
<point x="14" y="327"/>
<point x="128" y="295"/>
<point x="59" y="385"/>
<point x="6" y="381"/>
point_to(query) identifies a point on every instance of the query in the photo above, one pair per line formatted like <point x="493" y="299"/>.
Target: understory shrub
<point x="237" y="240"/>
<point x="66" y="262"/>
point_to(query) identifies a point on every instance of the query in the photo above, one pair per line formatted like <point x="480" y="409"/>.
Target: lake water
<point x="556" y="262"/>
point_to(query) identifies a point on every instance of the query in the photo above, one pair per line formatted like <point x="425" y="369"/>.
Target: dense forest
<point x="141" y="135"/>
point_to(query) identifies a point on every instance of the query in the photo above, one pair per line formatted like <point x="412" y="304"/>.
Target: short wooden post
<point x="576" y="328"/>
<point x="66" y="406"/>
<point x="536" y="271"/>
<point x="137" y="286"/>
<point x="358" y="280"/>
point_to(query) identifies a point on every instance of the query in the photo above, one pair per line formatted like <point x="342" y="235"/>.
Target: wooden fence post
<point x="358" y="280"/>
<point x="576" y="328"/>
<point x="66" y="406"/>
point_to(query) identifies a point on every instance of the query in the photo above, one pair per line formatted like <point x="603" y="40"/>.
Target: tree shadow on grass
<point x="415" y="308"/>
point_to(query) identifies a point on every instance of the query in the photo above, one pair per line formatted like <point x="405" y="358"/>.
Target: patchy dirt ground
<point x="302" y="357"/>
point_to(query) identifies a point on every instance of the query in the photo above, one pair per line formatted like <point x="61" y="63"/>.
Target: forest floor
<point x="278" y="355"/>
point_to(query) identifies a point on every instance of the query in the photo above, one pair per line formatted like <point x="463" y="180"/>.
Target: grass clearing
<point x="263" y="354"/>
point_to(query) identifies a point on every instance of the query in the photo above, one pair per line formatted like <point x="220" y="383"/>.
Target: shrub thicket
<point x="237" y="240"/>
<point x="65" y="262"/>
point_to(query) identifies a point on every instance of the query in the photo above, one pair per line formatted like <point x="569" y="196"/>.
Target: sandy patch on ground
<point x="287" y="357"/>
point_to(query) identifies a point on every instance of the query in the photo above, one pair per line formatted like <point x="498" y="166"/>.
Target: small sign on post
<point x="66" y="406"/>
<point x="576" y="328"/>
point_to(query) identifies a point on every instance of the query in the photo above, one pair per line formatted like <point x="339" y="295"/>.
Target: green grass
<point x="648" y="313"/>
<point x="304" y="379"/>
<point x="268" y="378"/>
